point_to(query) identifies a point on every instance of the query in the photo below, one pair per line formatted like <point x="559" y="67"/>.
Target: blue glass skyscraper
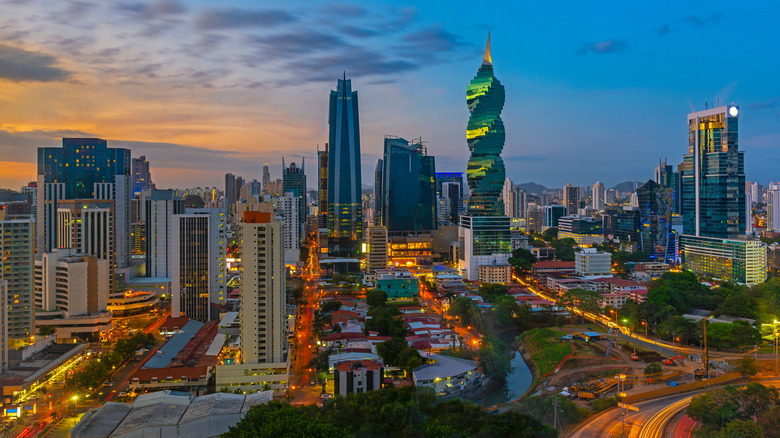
<point x="345" y="209"/>
<point x="407" y="197"/>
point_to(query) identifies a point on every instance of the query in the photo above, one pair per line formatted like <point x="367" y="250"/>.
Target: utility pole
<point x="706" y="351"/>
<point x="555" y="412"/>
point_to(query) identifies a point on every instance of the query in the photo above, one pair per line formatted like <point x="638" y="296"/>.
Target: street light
<point x="621" y="378"/>
<point x="644" y="323"/>
<point x="774" y="327"/>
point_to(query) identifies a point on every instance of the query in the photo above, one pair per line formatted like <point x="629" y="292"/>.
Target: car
<point x="313" y="382"/>
<point x="108" y="384"/>
<point x="122" y="394"/>
<point x="326" y="396"/>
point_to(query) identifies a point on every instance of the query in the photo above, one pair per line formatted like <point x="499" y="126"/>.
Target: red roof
<point x="172" y="323"/>
<point x="146" y="375"/>
<point x="341" y="336"/>
<point x="370" y="365"/>
<point x="620" y="282"/>
<point x="345" y="313"/>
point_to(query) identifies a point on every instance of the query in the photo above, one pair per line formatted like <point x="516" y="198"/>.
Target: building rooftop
<point x="443" y="367"/>
<point x="213" y="404"/>
<point x="163" y="357"/>
<point x="553" y="264"/>
<point x="369" y="365"/>
<point x="157" y="414"/>
<point x="100" y="423"/>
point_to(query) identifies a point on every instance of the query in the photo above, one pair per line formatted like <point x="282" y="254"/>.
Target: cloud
<point x="344" y="10"/>
<point x="603" y="47"/>
<point x="357" y="63"/>
<point x="299" y="43"/>
<point x="358" y="32"/>
<point x="703" y="21"/>
<point x="19" y="65"/>
<point x="154" y="9"/>
<point x="231" y="18"/>
<point x="428" y="43"/>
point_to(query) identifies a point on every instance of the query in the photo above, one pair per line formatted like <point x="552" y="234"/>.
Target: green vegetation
<point x="751" y="411"/>
<point x="46" y="330"/>
<point x="541" y="409"/>
<point x="389" y="412"/>
<point x="376" y="298"/>
<point x="521" y="261"/>
<point x="548" y="350"/>
<point x="397" y="352"/>
<point x="653" y="368"/>
<point x="676" y="293"/>
<point x="602" y="404"/>
<point x="747" y="366"/>
<point x="98" y="370"/>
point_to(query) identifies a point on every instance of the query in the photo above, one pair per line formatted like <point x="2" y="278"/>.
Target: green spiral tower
<point x="485" y="135"/>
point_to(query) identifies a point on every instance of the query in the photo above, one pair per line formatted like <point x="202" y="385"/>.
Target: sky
<point x="595" y="91"/>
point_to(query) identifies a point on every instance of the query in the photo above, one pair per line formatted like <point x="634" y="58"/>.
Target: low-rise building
<point x="616" y="300"/>
<point x="446" y="375"/>
<point x="741" y="261"/>
<point x="397" y="283"/>
<point x="592" y="263"/>
<point x="357" y="376"/>
<point x="547" y="266"/>
<point x="495" y="274"/>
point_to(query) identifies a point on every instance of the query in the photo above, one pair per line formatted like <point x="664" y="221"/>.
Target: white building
<point x="773" y="207"/>
<point x="483" y="240"/>
<point x="357" y="376"/>
<point x="264" y="319"/>
<point x="501" y="274"/>
<point x="198" y="266"/>
<point x="589" y="262"/>
<point x="159" y="209"/>
<point x="445" y="374"/>
<point x="288" y="205"/>
<point x="71" y="293"/>
<point x="376" y="257"/>
<point x="598" y="196"/>
<point x="737" y="260"/>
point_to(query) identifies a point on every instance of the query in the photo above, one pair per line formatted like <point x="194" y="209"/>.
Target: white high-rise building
<point x="87" y="226"/>
<point x="288" y="205"/>
<point x="3" y="325"/>
<point x="264" y="320"/>
<point x="17" y="247"/>
<point x="634" y="200"/>
<point x="160" y="206"/>
<point x="773" y="207"/>
<point x="598" y="196"/>
<point x="508" y="196"/>
<point x="198" y="266"/>
<point x="754" y="193"/>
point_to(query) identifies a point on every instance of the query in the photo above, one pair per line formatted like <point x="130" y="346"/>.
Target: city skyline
<point x="198" y="109"/>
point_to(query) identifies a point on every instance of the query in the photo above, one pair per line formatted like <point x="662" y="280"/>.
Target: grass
<point x="546" y="349"/>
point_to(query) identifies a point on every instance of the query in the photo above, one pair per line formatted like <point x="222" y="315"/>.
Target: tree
<point x="747" y="366"/>
<point x="390" y="350"/>
<point x="653" y="368"/>
<point x="376" y="298"/>
<point x="330" y="306"/>
<point x="46" y="330"/>
<point x="742" y="429"/>
<point x="756" y="399"/>
<point x="522" y="260"/>
<point x="585" y="300"/>
<point x="493" y="358"/>
<point x="489" y="291"/>
<point x="276" y="419"/>
<point x="714" y="408"/>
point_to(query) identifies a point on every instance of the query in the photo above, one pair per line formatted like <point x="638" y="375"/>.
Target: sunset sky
<point x="595" y="90"/>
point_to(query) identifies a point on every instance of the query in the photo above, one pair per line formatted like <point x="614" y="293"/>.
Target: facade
<point x="773" y="208"/>
<point x="377" y="249"/>
<point x="483" y="240"/>
<point x="160" y="208"/>
<point x="445" y="177"/>
<point x="17" y="245"/>
<point x="446" y="375"/>
<point x="266" y="177"/>
<point x="655" y="216"/>
<point x="141" y="177"/>
<point x="357" y="376"/>
<point x="552" y="214"/>
<point x="450" y="203"/>
<point x="667" y="177"/>
<point x="622" y="225"/>
<point x="485" y="135"/>
<point x="198" y="262"/>
<point x="571" y="199"/>
<point x="88" y="227"/>
<point x="3" y="325"/>
<point x="294" y="181"/>
<point x="741" y="261"/>
<point x="713" y="175"/>
<point x="84" y="168"/>
<point x="586" y="231"/>
<point x="345" y="209"/>
<point x="592" y="263"/>
<point x="410" y="250"/>
<point x="407" y="197"/>
<point x="263" y="294"/>
<point x="322" y="184"/>
<point x="598" y="196"/>
<point x="495" y="274"/>
<point x="289" y="207"/>
<point x="397" y="283"/>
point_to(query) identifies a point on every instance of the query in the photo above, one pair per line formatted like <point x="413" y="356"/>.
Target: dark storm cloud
<point x="603" y="47"/>
<point x="231" y="18"/>
<point x="21" y="65"/>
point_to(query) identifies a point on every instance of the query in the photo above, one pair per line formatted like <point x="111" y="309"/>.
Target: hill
<point x="627" y="186"/>
<point x="532" y="187"/>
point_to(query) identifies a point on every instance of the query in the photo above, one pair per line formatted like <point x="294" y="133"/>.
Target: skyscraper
<point x="485" y="135"/>
<point x="450" y="203"/>
<point x="773" y="207"/>
<point x="377" y="249"/>
<point x="484" y="236"/>
<point x="289" y="207"/>
<point x="345" y="208"/>
<point x="17" y="240"/>
<point x="407" y="200"/>
<point x="230" y="188"/>
<point x="667" y="177"/>
<point x="713" y="179"/>
<point x="266" y="177"/>
<point x="263" y="297"/>
<point x="571" y="199"/>
<point x="322" y="172"/>
<point x="655" y="216"/>
<point x="294" y="181"/>
<point x="140" y="175"/>
<point x="87" y="226"/>
<point x="598" y="196"/>
<point x="159" y="211"/>
<point x="84" y="168"/>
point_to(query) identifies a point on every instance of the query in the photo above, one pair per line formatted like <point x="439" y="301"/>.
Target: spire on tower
<point x="487" y="60"/>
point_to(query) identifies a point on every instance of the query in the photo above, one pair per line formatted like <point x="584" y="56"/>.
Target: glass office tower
<point x="485" y="135"/>
<point x="408" y="189"/>
<point x="655" y="215"/>
<point x="294" y="181"/>
<point x="713" y="175"/>
<point x="345" y="208"/>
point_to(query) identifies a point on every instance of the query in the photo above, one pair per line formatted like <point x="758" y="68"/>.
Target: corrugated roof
<point x="213" y="404"/>
<point x="101" y="423"/>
